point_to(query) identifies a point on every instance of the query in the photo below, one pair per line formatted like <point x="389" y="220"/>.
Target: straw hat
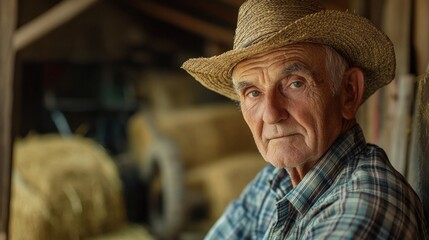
<point x="268" y="24"/>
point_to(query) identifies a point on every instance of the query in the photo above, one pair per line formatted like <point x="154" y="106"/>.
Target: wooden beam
<point x="53" y="18"/>
<point x="7" y="27"/>
<point x="186" y="22"/>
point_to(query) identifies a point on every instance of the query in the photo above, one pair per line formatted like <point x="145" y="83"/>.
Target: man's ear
<point x="352" y="92"/>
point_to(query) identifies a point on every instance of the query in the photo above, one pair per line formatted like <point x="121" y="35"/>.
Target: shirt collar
<point x="322" y="175"/>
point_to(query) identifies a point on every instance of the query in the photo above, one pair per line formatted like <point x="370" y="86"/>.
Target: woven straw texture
<point x="264" y="25"/>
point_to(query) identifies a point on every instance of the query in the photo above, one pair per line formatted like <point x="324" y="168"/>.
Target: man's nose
<point x="275" y="109"/>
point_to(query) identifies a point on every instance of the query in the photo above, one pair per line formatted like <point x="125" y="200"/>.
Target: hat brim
<point x="353" y="36"/>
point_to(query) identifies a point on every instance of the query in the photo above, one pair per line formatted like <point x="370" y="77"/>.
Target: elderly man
<point x="300" y="74"/>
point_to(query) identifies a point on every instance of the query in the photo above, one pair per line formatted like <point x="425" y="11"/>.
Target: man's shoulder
<point x="371" y="179"/>
<point x="371" y="189"/>
<point x="371" y="171"/>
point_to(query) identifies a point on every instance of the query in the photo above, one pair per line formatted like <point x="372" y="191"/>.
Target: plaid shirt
<point x="352" y="192"/>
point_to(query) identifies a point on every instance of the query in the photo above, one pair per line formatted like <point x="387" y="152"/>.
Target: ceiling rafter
<point x="185" y="21"/>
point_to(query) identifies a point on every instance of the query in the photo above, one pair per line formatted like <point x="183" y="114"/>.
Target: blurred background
<point x="112" y="140"/>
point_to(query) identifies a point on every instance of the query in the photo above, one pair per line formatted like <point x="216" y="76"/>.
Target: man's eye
<point x="296" y="84"/>
<point x="254" y="93"/>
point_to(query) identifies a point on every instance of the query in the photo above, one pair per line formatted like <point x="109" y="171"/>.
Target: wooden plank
<point x="181" y="20"/>
<point x="421" y="35"/>
<point x="400" y="91"/>
<point x="7" y="27"/>
<point x="400" y="133"/>
<point x="54" y="17"/>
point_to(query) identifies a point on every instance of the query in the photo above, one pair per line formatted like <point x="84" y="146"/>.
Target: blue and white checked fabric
<point x="352" y="192"/>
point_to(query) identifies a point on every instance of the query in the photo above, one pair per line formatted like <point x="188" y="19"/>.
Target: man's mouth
<point x="282" y="136"/>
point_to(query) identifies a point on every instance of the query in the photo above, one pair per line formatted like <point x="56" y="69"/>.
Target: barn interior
<point x="104" y="136"/>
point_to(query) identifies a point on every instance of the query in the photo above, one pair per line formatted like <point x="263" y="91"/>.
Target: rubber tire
<point x="166" y="216"/>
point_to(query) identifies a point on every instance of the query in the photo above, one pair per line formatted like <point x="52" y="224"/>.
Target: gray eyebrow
<point x="297" y="67"/>
<point x="241" y="85"/>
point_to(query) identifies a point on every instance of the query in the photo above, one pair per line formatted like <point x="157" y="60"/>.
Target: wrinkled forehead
<point x="306" y="53"/>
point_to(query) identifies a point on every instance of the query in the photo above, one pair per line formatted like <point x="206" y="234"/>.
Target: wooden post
<point x="7" y="27"/>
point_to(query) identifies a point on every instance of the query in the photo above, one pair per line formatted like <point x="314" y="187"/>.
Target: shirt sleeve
<point x="238" y="221"/>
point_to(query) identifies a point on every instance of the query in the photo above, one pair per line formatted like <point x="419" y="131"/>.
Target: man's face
<point x="287" y="101"/>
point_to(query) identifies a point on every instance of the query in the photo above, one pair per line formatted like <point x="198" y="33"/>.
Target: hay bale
<point x="202" y="134"/>
<point x="207" y="133"/>
<point x="33" y="214"/>
<point x="128" y="232"/>
<point x="75" y="181"/>
<point x="223" y="180"/>
<point x="162" y="89"/>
